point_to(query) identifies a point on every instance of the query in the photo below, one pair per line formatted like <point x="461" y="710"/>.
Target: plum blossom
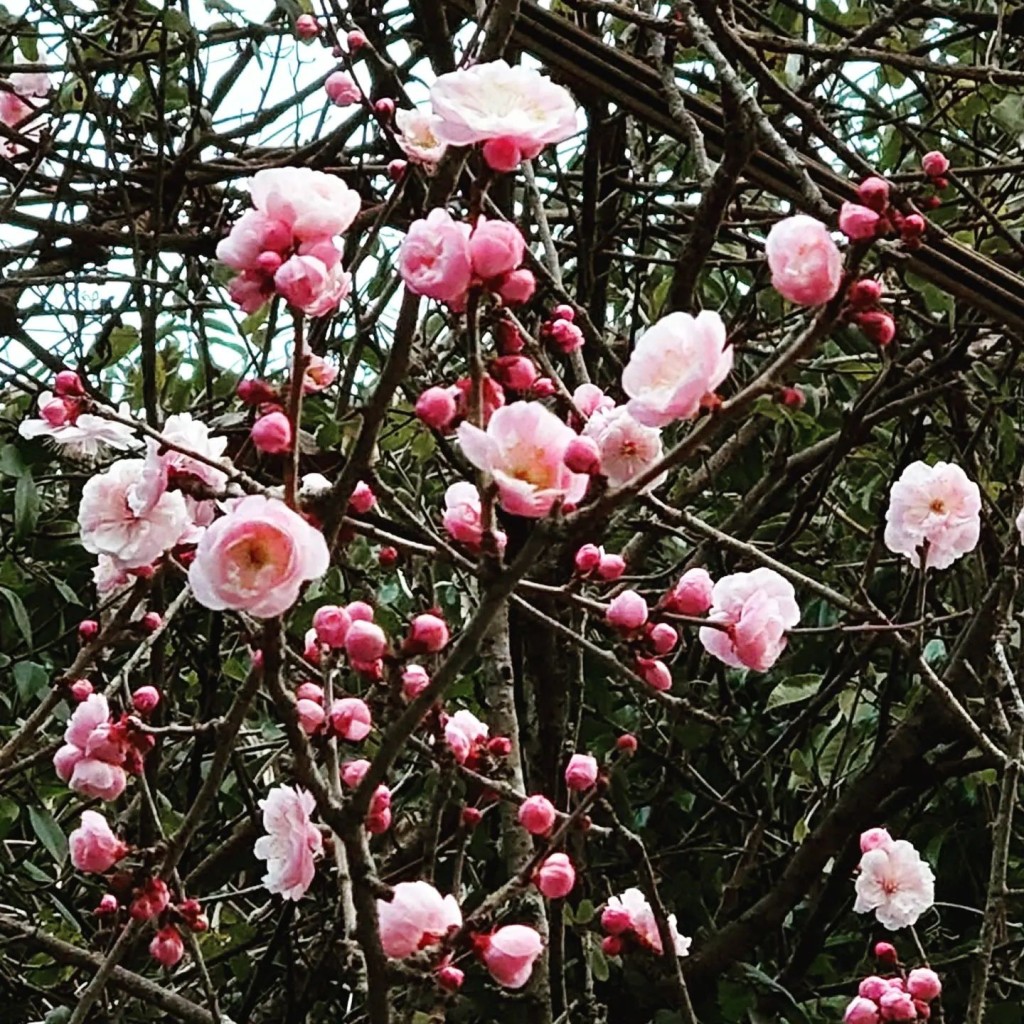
<point x="758" y="607"/>
<point x="675" y="364"/>
<point x="434" y="259"/>
<point x="417" y="139"/>
<point x="514" y="111"/>
<point x="627" y="447"/>
<point x="15" y="111"/>
<point x="92" y="760"/>
<point x="311" y="285"/>
<point x="312" y="204"/>
<point x="692" y="593"/>
<point x="79" y="434"/>
<point x="806" y="266"/>
<point x="509" y="953"/>
<point x="292" y="841"/>
<point x="935" y="505"/>
<point x="462" y="517"/>
<point x="895" y="883"/>
<point x="120" y="516"/>
<point x="256" y="558"/>
<point x="93" y="846"/>
<point x="523" y="449"/>
<point x="465" y="734"/>
<point x="416" y="917"/>
<point x="631" y="914"/>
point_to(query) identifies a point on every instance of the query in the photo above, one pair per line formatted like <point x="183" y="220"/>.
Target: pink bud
<point x="385" y="106"/>
<point x="792" y="398"/>
<point x="450" y="978"/>
<point x="332" y="624"/>
<point x="80" y="689"/>
<point x="397" y="168"/>
<point x="692" y="593"/>
<point x="516" y="372"/>
<point x="611" y="567"/>
<point x="582" y="455"/>
<point x="311" y="715"/>
<point x="436" y="407"/>
<point x="414" y="681"/>
<point x="611" y="945"/>
<point x="352" y="772"/>
<point x="517" y="287"/>
<point x="145" y="699"/>
<point x="627" y="611"/>
<point x="365" y="641"/>
<point x="886" y="953"/>
<point x="496" y="247"/>
<point x="502" y="155"/>
<point x="108" y="905"/>
<point x="555" y="876"/>
<point x="861" y="1011"/>
<point x="255" y="392"/>
<point x="167" y="947"/>
<point x="872" y="987"/>
<point x="563" y="312"/>
<point x="55" y="412"/>
<point x="875" y="839"/>
<point x="924" y="1011"/>
<point x="387" y="557"/>
<point x="581" y="772"/>
<point x="878" y="325"/>
<point x="544" y="387"/>
<point x="924" y="984"/>
<point x="151" y="900"/>
<point x="428" y="634"/>
<point x="356" y="40"/>
<point x="616" y="920"/>
<point x="537" y="814"/>
<point x="663" y="638"/>
<point x="88" y="629"/>
<point x="510" y="341"/>
<point x="378" y="822"/>
<point x="655" y="673"/>
<point x="363" y="499"/>
<point x="587" y="559"/>
<point x="350" y="719"/>
<point x="499" y="746"/>
<point x="269" y="262"/>
<point x="935" y="164"/>
<point x="864" y="293"/>
<point x="897" y="1005"/>
<point x="359" y="610"/>
<point x="151" y="622"/>
<point x="874" y="193"/>
<point x="859" y="223"/>
<point x="272" y="433"/>
<point x="566" y="335"/>
<point x="310" y="691"/>
<point x="912" y="227"/>
<point x="626" y="743"/>
<point x="342" y="89"/>
<point x="68" y="384"/>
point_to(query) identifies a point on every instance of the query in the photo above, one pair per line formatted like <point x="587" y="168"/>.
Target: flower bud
<point x="861" y="1011"/>
<point x="611" y="945"/>
<point x="555" y="876"/>
<point x="858" y="223"/>
<point x="341" y="89"/>
<point x="145" y="699"/>
<point x="517" y="287"/>
<point x="616" y="920"/>
<point x="878" y="325"/>
<point x="56" y="412"/>
<point x="256" y="392"/>
<point x="499" y="746"/>
<point x="450" y="978"/>
<point x="359" y="610"/>
<point x="365" y="642"/>
<point x="912" y="227"/>
<point x="510" y="341"/>
<point x="471" y="816"/>
<point x="88" y="629"/>
<point x="167" y="947"/>
<point x="311" y="715"/>
<point x="935" y="164"/>
<point x="872" y="988"/>
<point x="331" y="624"/>
<point x="67" y="384"/>
<point x="663" y="638"/>
<point x="272" y="433"/>
<point x="583" y="455"/>
<point x="356" y="40"/>
<point x="414" y="681"/>
<point x="611" y="567"/>
<point x="581" y="772"/>
<point x="897" y="1005"/>
<point x="924" y="984"/>
<point x="397" y="169"/>
<point x="352" y="772"/>
<point x="80" y="689"/>
<point x="363" y="499"/>
<point x="385" y="106"/>
<point x="151" y="622"/>
<point x="626" y="743"/>
<point x="566" y="336"/>
<point x="502" y="155"/>
<point x="627" y="611"/>
<point x="885" y="953"/>
<point x="563" y="312"/>
<point x="655" y="673"/>
<point x="587" y="559"/>
<point x="436" y="407"/>
<point x="544" y="387"/>
<point x="516" y="372"/>
<point x="873" y="192"/>
<point x="864" y="293"/>
<point x="350" y="719"/>
<point x="108" y="905"/>
<point x="537" y="814"/>
<point x="792" y="398"/>
<point x="428" y="634"/>
<point x="496" y="247"/>
<point x="387" y="557"/>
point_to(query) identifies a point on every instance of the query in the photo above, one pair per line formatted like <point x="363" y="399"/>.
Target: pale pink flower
<point x="291" y="843"/>
<point x="37" y="84"/>
<point x="16" y="113"/>
<point x="256" y="558"/>
<point x="923" y="983"/>
<point x="250" y="290"/>
<point x="509" y="953"/>
<point x="92" y="758"/>
<point x="895" y="883"/>
<point x="675" y="364"/>
<point x="416" y="137"/>
<point x="434" y="259"/>
<point x="318" y="375"/>
<point x="464" y="732"/>
<point x="81" y="435"/>
<point x="493" y="102"/>
<point x="314" y="205"/>
<point x="253" y="234"/>
<point x="165" y="464"/>
<point x="523" y="449"/>
<point x="630" y="912"/>
<point x="93" y="846"/>
<point x="417" y="916"/>
<point x="121" y="517"/>
<point x="875" y="838"/>
<point x="496" y="247"/>
<point x="806" y="266"/>
<point x="308" y="284"/>
<point x="626" y="446"/>
<point x="861" y="1011"/>
<point x="462" y="516"/>
<point x="589" y="398"/>
<point x="936" y="504"/>
<point x="341" y="89"/>
<point x="627" y="611"/>
<point x="758" y="608"/>
<point x="108" y="575"/>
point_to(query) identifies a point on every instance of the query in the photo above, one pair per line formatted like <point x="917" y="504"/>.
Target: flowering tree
<point x="510" y="511"/>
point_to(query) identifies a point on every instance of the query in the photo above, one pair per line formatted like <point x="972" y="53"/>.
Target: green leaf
<point x="934" y="651"/>
<point x="11" y="462"/>
<point x="28" y="43"/>
<point x="599" y="963"/>
<point x="9" y="811"/>
<point x="122" y="340"/>
<point x="30" y="679"/>
<point x="19" y="613"/>
<point x="794" y="689"/>
<point x="48" y="832"/>
<point x="26" y="506"/>
<point x="585" y="912"/>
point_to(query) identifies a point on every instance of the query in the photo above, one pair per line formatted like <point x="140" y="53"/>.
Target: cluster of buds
<point x="67" y="401"/>
<point x="629" y="613"/>
<point x="561" y="330"/>
<point x="905" y="997"/>
<point x="443" y="409"/>
<point x="351" y="628"/>
<point x="378" y="817"/>
<point x="348" y="718"/>
<point x="873" y="217"/>
<point x="935" y="165"/>
<point x="863" y="300"/>
<point x="592" y="561"/>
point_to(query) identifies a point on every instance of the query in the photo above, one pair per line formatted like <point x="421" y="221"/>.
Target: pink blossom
<point x="555" y="876"/>
<point x="272" y="433"/>
<point x="428" y="634"/>
<point x="306" y="283"/>
<point x="362" y="500"/>
<point x="896" y="884"/>
<point x="93" y="846"/>
<point x="145" y="699"/>
<point x="516" y="106"/>
<point x="610" y="567"/>
<point x="417" y="916"/>
<point x="872" y="987"/>
<point x="256" y="558"/>
<point x="417" y="137"/>
<point x="858" y="223"/>
<point x="935" y="164"/>
<point x="414" y="681"/>
<point x="627" y="611"/>
<point x="92" y="758"/>
<point x="318" y="374"/>
<point x="365" y="641"/>
<point x="934" y="505"/>
<point x="631" y="912"/>
<point x="674" y="364"/>
<point x="79" y="434"/>
<point x="116" y="519"/>
<point x="627" y="447"/>
<point x="517" y="287"/>
<point x="311" y="715"/>
<point x="806" y="266"/>
<point x="164" y="464"/>
<point x="509" y="954"/>
<point x="314" y="205"/>
<point x="758" y="608"/>
<point x="655" y="673"/>
<point x="523" y="448"/>
<point x="341" y="89"/>
<point x="351" y="719"/>
<point x="437" y="408"/>
<point x="897" y="1005"/>
<point x="15" y="112"/>
<point x="923" y="983"/>
<point x="253" y="234"/>
<point x="167" y="947"/>
<point x="434" y="259"/>
<point x="537" y="814"/>
<point x="663" y="638"/>
<point x="566" y="335"/>
<point x="517" y="372"/>
<point x="250" y="290"/>
<point x="861" y="1011"/>
<point x="331" y="624"/>
<point x="352" y="772"/>
<point x="462" y="517"/>
<point x="875" y="839"/>
<point x="291" y="843"/>
<point x="874" y="193"/>
<point x="30" y="83"/>
<point x="588" y="558"/>
<point x="464" y="733"/>
<point x="581" y="772"/>
<point x="589" y="398"/>
<point x="496" y="247"/>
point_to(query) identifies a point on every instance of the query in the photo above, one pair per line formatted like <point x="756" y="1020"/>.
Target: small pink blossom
<point x="858" y="223"/>
<point x="92" y="759"/>
<point x="588" y="558"/>
<point x="351" y="719"/>
<point x="627" y="448"/>
<point x="758" y="608"/>
<point x="256" y="558"/>
<point x="581" y="772"/>
<point x="318" y="375"/>
<point x="428" y="634"/>
<point x="555" y="876"/>
<point x="167" y="947"/>
<point x="308" y="284"/>
<point x="516" y="372"/>
<point x="79" y="434"/>
<point x="496" y="247"/>
<point x="663" y="638"/>
<point x="164" y="464"/>
<point x="314" y="205"/>
<point x="674" y="364"/>
<point x="145" y="699"/>
<point x="509" y="954"/>
<point x="656" y="674"/>
<point x="523" y="448"/>
<point x="417" y="138"/>
<point x="517" y="287"/>
<point x="414" y="681"/>
<point x="434" y="259"/>
<point x="895" y="883"/>
<point x="875" y="839"/>
<point x="363" y="498"/>
<point x="628" y="611"/>
<point x="874" y="193"/>
<point x="416" y="917"/>
<point x="437" y="408"/>
<point x="464" y="733"/>
<point x="935" y="164"/>
<point x="252" y="235"/>
<point x="341" y="89"/>
<point x="365" y="641"/>
<point x="897" y="1005"/>
<point x="291" y="843"/>
<point x="462" y="517"/>
<point x="806" y="266"/>
<point x="311" y="715"/>
<point x="589" y="398"/>
<point x="610" y="567"/>
<point x="631" y="913"/>
<point x="93" y="846"/>
<point x="272" y="433"/>
<point x="861" y="1011"/>
<point x="872" y="987"/>
<point x="923" y="983"/>
<point x="934" y="505"/>
<point x="537" y="814"/>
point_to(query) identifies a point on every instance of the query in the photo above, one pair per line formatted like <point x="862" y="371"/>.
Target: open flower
<point x="434" y="259"/>
<point x="509" y="953"/>
<point x="417" y="139"/>
<point x="416" y="917"/>
<point x="314" y="205"/>
<point x="94" y="754"/>
<point x="627" y="448"/>
<point x="291" y="843"/>
<point x="79" y="434"/>
<point x="462" y="517"/>
<point x="895" y="883"/>
<point x="93" y="846"/>
<point x="631" y="914"/>
<point x="806" y="266"/>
